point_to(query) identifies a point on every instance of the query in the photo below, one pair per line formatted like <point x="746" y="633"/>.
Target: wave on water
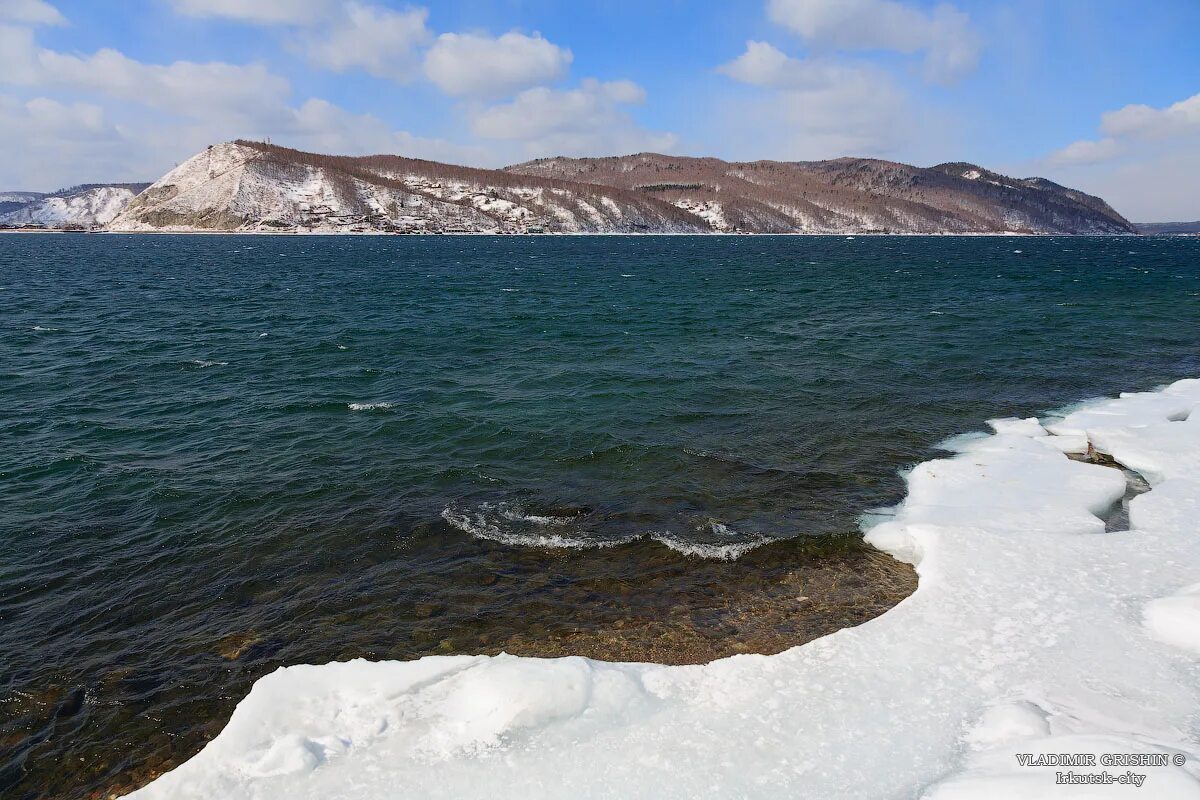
<point x="510" y="524"/>
<point x="202" y="364"/>
<point x="368" y="406"/>
<point x="43" y="329"/>
<point x="1002" y="655"/>
<point x="715" y="551"/>
<point x="485" y="523"/>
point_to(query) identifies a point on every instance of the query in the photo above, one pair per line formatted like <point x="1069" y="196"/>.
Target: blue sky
<point x="1103" y="95"/>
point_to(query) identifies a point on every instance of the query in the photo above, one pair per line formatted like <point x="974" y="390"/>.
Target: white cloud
<point x="818" y="109"/>
<point x="1126" y="127"/>
<point x="323" y="127"/>
<point x="1147" y="164"/>
<point x="588" y="120"/>
<point x="1147" y="184"/>
<point x="183" y="87"/>
<point x="338" y="36"/>
<point x="944" y="34"/>
<point x="260" y="12"/>
<point x="1146" y="122"/>
<point x="464" y="64"/>
<point x="42" y="115"/>
<point x="50" y="145"/>
<point x="1087" y="151"/>
<point x="765" y="65"/>
<point x="30" y="12"/>
<point x="18" y="55"/>
<point x="166" y="112"/>
<point x="377" y="40"/>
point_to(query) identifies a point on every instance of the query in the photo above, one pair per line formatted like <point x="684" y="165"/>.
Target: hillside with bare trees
<point x="253" y="186"/>
<point x="845" y="195"/>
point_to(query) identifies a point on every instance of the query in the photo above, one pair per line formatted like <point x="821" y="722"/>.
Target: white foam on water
<point x="203" y="364"/>
<point x="368" y="406"/>
<point x="514" y="513"/>
<point x="706" y="550"/>
<point x="508" y="523"/>
<point x="1032" y="632"/>
<point x="483" y="523"/>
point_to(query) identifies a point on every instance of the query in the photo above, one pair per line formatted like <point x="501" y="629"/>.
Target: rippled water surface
<point x="224" y="454"/>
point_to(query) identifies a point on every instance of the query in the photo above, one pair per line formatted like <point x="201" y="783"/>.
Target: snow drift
<point x="1032" y="632"/>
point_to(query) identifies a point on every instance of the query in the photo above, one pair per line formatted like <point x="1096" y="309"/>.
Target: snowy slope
<point x="20" y="197"/>
<point x="93" y="206"/>
<point x="248" y="186"/>
<point x="12" y="201"/>
<point x="1033" y="631"/>
<point x="252" y="186"/>
<point x="845" y="195"/>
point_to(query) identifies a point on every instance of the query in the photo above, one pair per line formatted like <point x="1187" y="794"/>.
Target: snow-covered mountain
<point x="846" y="195"/>
<point x="251" y="186"/>
<point x="11" y="201"/>
<point x="81" y="206"/>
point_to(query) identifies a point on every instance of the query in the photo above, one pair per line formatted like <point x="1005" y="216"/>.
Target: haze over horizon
<point x="1100" y="96"/>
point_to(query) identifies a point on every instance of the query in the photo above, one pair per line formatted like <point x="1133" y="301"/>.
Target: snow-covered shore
<point x="1032" y="632"/>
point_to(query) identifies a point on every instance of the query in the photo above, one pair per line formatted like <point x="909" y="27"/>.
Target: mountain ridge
<point x="87" y="205"/>
<point x="1168" y="228"/>
<point x="254" y="186"/>
<point x="850" y="194"/>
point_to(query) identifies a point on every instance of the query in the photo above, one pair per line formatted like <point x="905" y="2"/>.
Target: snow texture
<point x="93" y="207"/>
<point x="1032" y="632"/>
<point x="236" y="187"/>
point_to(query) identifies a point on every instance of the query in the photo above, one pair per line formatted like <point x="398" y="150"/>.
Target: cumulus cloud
<point x="327" y="128"/>
<point x="50" y="144"/>
<point x="1143" y="121"/>
<point x="143" y="116"/>
<point x="1128" y="126"/>
<point x="945" y="35"/>
<point x="1146" y="164"/>
<point x="764" y="64"/>
<point x="338" y="36"/>
<point x="42" y="115"/>
<point x="166" y="112"/>
<point x="183" y="87"/>
<point x="30" y="12"/>
<point x="819" y="109"/>
<point x="377" y="40"/>
<point x="1087" y="151"/>
<point x="588" y="120"/>
<point x="471" y="65"/>
<point x="260" y="12"/>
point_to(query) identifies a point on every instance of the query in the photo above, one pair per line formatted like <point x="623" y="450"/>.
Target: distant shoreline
<point x="994" y="234"/>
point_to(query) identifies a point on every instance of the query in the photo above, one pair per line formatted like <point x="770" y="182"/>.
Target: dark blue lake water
<point x="226" y="453"/>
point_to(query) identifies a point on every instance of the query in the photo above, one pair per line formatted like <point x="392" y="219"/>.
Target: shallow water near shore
<point x="225" y="454"/>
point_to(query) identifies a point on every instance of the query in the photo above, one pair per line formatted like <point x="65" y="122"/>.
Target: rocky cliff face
<point x="251" y="186"/>
<point x="88" y="206"/>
